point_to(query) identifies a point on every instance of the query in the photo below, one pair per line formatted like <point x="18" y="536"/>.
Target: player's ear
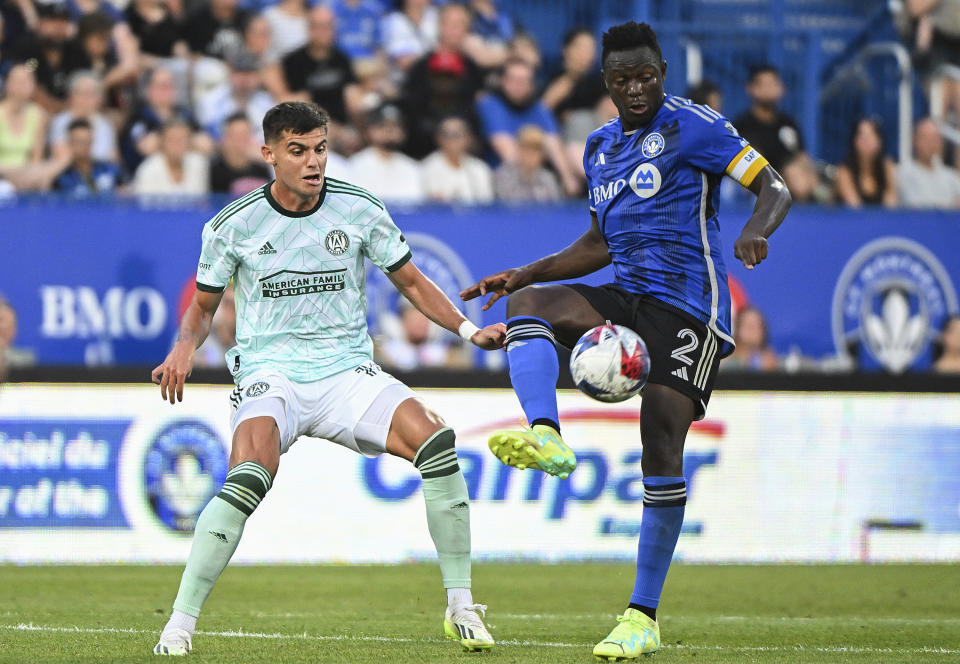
<point x="267" y="154"/>
<point x="663" y="69"/>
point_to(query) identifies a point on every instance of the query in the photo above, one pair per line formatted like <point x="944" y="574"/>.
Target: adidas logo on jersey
<point x="601" y="160"/>
<point x="681" y="373"/>
<point x="267" y="248"/>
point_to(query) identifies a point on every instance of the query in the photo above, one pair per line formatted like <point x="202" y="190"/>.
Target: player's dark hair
<point x="627" y="36"/>
<point x="876" y="167"/>
<point x="575" y="32"/>
<point x="297" y="117"/>
<point x="79" y="123"/>
<point x="757" y="70"/>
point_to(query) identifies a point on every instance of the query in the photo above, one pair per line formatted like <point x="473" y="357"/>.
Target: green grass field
<point x="538" y="613"/>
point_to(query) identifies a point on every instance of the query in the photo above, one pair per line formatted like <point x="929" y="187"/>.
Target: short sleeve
<point x="384" y="244"/>
<point x="217" y="262"/>
<point x="493" y="116"/>
<point x="587" y="163"/>
<point x="716" y="147"/>
<point x="545" y="119"/>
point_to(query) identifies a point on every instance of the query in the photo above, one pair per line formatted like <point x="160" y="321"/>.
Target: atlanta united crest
<point x="337" y="242"/>
<point x="890" y="301"/>
<point x="652" y="145"/>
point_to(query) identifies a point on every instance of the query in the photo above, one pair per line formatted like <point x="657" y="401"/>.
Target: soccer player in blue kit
<point x="653" y="176"/>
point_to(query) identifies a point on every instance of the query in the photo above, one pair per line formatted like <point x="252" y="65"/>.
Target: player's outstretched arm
<point x="773" y="201"/>
<point x="435" y="305"/>
<point x="585" y="255"/>
<point x="194" y="328"/>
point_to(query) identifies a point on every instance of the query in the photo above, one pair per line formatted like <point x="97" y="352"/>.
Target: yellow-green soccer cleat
<point x="464" y="625"/>
<point x="174" y="641"/>
<point x="539" y="447"/>
<point x="635" y="634"/>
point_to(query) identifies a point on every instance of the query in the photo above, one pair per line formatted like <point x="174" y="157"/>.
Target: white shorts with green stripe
<point x="353" y="408"/>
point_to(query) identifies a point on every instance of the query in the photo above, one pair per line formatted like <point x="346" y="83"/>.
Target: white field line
<point x="30" y="627"/>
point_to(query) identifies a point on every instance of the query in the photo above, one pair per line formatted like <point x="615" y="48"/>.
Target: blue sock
<point x="534" y="368"/>
<point x="664" y="499"/>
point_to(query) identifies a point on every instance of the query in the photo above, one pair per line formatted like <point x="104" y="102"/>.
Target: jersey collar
<point x="290" y="213"/>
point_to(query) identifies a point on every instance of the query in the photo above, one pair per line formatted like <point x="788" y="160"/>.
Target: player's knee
<point x="437" y="457"/>
<point x="528" y="301"/>
<point x="257" y="439"/>
<point x="662" y="457"/>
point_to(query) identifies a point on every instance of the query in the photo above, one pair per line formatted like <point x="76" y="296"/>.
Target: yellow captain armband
<point x="744" y="167"/>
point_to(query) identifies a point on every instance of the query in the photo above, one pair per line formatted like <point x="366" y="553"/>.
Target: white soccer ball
<point x="610" y="363"/>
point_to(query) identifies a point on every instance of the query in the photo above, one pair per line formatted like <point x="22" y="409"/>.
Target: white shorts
<point x="353" y="408"/>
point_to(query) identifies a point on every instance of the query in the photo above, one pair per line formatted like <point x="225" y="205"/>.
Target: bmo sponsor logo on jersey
<point x="607" y="191"/>
<point x="80" y="312"/>
<point x="646" y="180"/>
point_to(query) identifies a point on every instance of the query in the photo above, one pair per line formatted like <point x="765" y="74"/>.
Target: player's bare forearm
<point x="585" y="255"/>
<point x="194" y="328"/>
<point x="773" y="202"/>
<point x="433" y="303"/>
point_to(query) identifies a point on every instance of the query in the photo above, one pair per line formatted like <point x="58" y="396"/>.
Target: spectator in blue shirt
<point x="85" y="176"/>
<point x="358" y="27"/>
<point x="503" y="113"/>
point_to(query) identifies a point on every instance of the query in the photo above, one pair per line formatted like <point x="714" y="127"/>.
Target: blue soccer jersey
<point x="655" y="192"/>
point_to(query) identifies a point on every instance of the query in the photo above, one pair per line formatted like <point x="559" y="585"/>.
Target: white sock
<point x="183" y="621"/>
<point x="457" y="597"/>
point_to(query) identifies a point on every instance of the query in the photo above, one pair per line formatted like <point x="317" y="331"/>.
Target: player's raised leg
<point x="420" y="436"/>
<point x="665" y="417"/>
<point x="536" y="317"/>
<point x="253" y="465"/>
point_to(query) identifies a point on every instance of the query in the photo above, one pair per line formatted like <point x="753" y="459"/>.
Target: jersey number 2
<point x="682" y="352"/>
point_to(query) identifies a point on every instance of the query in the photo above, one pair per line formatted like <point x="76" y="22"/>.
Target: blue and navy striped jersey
<point x="655" y="192"/>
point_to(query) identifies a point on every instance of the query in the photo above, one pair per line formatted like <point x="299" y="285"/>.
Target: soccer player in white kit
<point x="303" y="365"/>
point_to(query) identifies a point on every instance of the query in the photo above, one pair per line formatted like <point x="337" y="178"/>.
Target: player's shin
<point x="534" y="368"/>
<point x="664" y="501"/>
<point x="448" y="511"/>
<point x="217" y="533"/>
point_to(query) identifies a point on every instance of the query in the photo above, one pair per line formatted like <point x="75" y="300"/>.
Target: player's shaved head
<point x="297" y="117"/>
<point x="628" y="36"/>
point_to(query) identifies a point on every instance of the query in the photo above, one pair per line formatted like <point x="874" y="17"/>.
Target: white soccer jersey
<point x="299" y="278"/>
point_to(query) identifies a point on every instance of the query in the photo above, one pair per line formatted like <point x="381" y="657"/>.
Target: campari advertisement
<point x="770" y="476"/>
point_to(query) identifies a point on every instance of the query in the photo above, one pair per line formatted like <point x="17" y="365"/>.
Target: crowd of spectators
<point x="429" y="99"/>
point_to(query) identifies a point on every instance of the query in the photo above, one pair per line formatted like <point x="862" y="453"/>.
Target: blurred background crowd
<point x="431" y="101"/>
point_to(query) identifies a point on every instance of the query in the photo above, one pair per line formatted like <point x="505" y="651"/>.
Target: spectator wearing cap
<point x="925" y="182"/>
<point x="85" y="102"/>
<point x="409" y="33"/>
<point x="452" y="174"/>
<point x="242" y="92"/>
<point x="216" y="29"/>
<point x="442" y="83"/>
<point x="85" y="175"/>
<point x="156" y="29"/>
<point x="318" y="72"/>
<point x="576" y="93"/>
<point x="288" y="21"/>
<point x="237" y="168"/>
<point x="525" y="179"/>
<point x="358" y="28"/>
<point x="141" y="133"/>
<point x="175" y="169"/>
<point x="50" y="53"/>
<point x="382" y="168"/>
<point x="515" y="105"/>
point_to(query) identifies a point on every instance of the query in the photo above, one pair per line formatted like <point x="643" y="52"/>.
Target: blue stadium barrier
<point x="103" y="282"/>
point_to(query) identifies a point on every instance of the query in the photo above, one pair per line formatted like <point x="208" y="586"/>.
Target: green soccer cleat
<point x="464" y="625"/>
<point x="635" y="634"/>
<point x="174" y="641"/>
<point x="540" y="447"/>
